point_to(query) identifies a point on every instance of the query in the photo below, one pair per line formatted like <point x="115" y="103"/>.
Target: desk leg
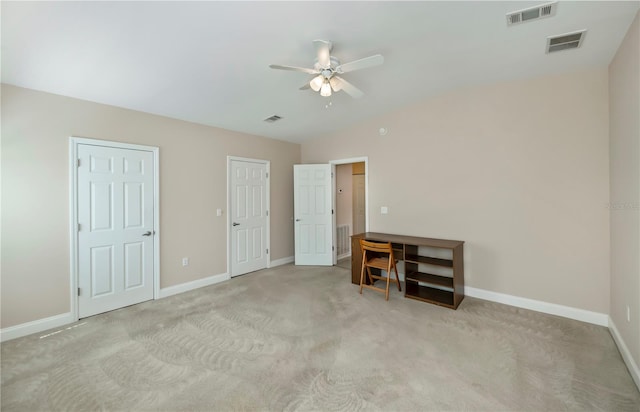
<point x="356" y="260"/>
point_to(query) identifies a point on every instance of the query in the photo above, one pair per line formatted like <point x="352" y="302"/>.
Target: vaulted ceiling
<point x="208" y="62"/>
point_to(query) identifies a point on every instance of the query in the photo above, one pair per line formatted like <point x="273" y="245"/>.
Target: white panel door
<point x="115" y="237"/>
<point x="249" y="215"/>
<point x="313" y="215"/>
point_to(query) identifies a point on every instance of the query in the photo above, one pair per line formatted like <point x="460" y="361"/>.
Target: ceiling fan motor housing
<point x="333" y="63"/>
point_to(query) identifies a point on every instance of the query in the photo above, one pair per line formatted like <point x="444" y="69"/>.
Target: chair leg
<point x="395" y="268"/>
<point x="388" y="278"/>
<point x="371" y="280"/>
<point x="362" y="274"/>
<point x="386" y="293"/>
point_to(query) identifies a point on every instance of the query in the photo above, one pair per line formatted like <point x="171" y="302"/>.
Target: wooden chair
<point x="373" y="256"/>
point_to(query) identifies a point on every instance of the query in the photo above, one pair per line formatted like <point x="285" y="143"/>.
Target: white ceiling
<point x="207" y="62"/>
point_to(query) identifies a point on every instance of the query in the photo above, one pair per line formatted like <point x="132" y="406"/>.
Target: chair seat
<point x="379" y="263"/>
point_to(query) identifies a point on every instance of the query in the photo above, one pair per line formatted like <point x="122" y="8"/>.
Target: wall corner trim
<point x="632" y="366"/>
<point x="281" y="261"/>
<point x="195" y="284"/>
<point x="36" y="326"/>
<point x="582" y="315"/>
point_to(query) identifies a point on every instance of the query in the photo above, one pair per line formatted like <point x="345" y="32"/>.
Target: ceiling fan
<point x="327" y="69"/>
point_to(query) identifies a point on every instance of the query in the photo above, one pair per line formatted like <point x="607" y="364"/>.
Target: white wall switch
<point x="218" y="212"/>
<point x="384" y="210"/>
<point x="185" y="261"/>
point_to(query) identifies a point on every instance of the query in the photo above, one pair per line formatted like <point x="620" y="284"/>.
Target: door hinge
<point x="267" y="175"/>
<point x="79" y="227"/>
<point x="79" y="290"/>
<point x="267" y="213"/>
<point x="332" y="175"/>
<point x="267" y="251"/>
<point x="333" y="248"/>
<point x="331" y="211"/>
<point x="78" y="162"/>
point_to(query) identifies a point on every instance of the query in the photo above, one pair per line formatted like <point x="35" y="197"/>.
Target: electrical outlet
<point x="218" y="212"/>
<point x="628" y="314"/>
<point x="185" y="261"/>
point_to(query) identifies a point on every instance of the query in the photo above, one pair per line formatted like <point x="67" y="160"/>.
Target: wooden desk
<point x="433" y="268"/>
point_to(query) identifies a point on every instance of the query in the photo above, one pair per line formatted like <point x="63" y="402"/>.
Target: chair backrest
<point x="376" y="247"/>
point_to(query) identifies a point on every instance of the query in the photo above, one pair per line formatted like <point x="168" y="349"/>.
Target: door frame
<point x="334" y="195"/>
<point x="267" y="163"/>
<point x="73" y="213"/>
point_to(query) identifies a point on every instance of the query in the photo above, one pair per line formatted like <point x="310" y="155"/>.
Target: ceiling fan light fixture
<point x="316" y="83"/>
<point x="335" y="84"/>
<point x="325" y="90"/>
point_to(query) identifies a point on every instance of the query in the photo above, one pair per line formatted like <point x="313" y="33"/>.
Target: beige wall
<point x="518" y="170"/>
<point x="35" y="193"/>
<point x="624" y="108"/>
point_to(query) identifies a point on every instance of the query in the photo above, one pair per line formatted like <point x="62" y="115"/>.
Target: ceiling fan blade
<point x="348" y="88"/>
<point x="370" y="61"/>
<point x="323" y="49"/>
<point x="295" y="69"/>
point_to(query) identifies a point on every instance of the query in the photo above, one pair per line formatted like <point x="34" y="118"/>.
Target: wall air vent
<point x="566" y="41"/>
<point x="532" y="13"/>
<point x="273" y="119"/>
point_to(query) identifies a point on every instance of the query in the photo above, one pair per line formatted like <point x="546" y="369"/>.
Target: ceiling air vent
<point x="566" y="41"/>
<point x="273" y="119"/>
<point x="532" y="13"/>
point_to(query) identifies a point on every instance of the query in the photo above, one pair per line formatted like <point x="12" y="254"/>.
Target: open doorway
<point x="350" y="206"/>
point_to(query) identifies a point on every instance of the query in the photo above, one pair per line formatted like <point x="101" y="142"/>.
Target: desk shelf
<point x="426" y="294"/>
<point x="448" y="263"/>
<point x="435" y="280"/>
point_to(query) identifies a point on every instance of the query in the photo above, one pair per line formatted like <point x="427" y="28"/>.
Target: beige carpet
<point x="293" y="338"/>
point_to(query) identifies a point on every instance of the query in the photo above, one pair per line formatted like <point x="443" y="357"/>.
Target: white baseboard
<point x="24" y="329"/>
<point x="281" y="261"/>
<point x="195" y="284"/>
<point x="596" y="318"/>
<point x="57" y="321"/>
<point x="626" y="354"/>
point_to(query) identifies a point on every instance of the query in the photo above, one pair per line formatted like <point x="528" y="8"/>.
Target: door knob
<point x="297" y="220"/>
<point x="236" y="224"/>
<point x="148" y="233"/>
